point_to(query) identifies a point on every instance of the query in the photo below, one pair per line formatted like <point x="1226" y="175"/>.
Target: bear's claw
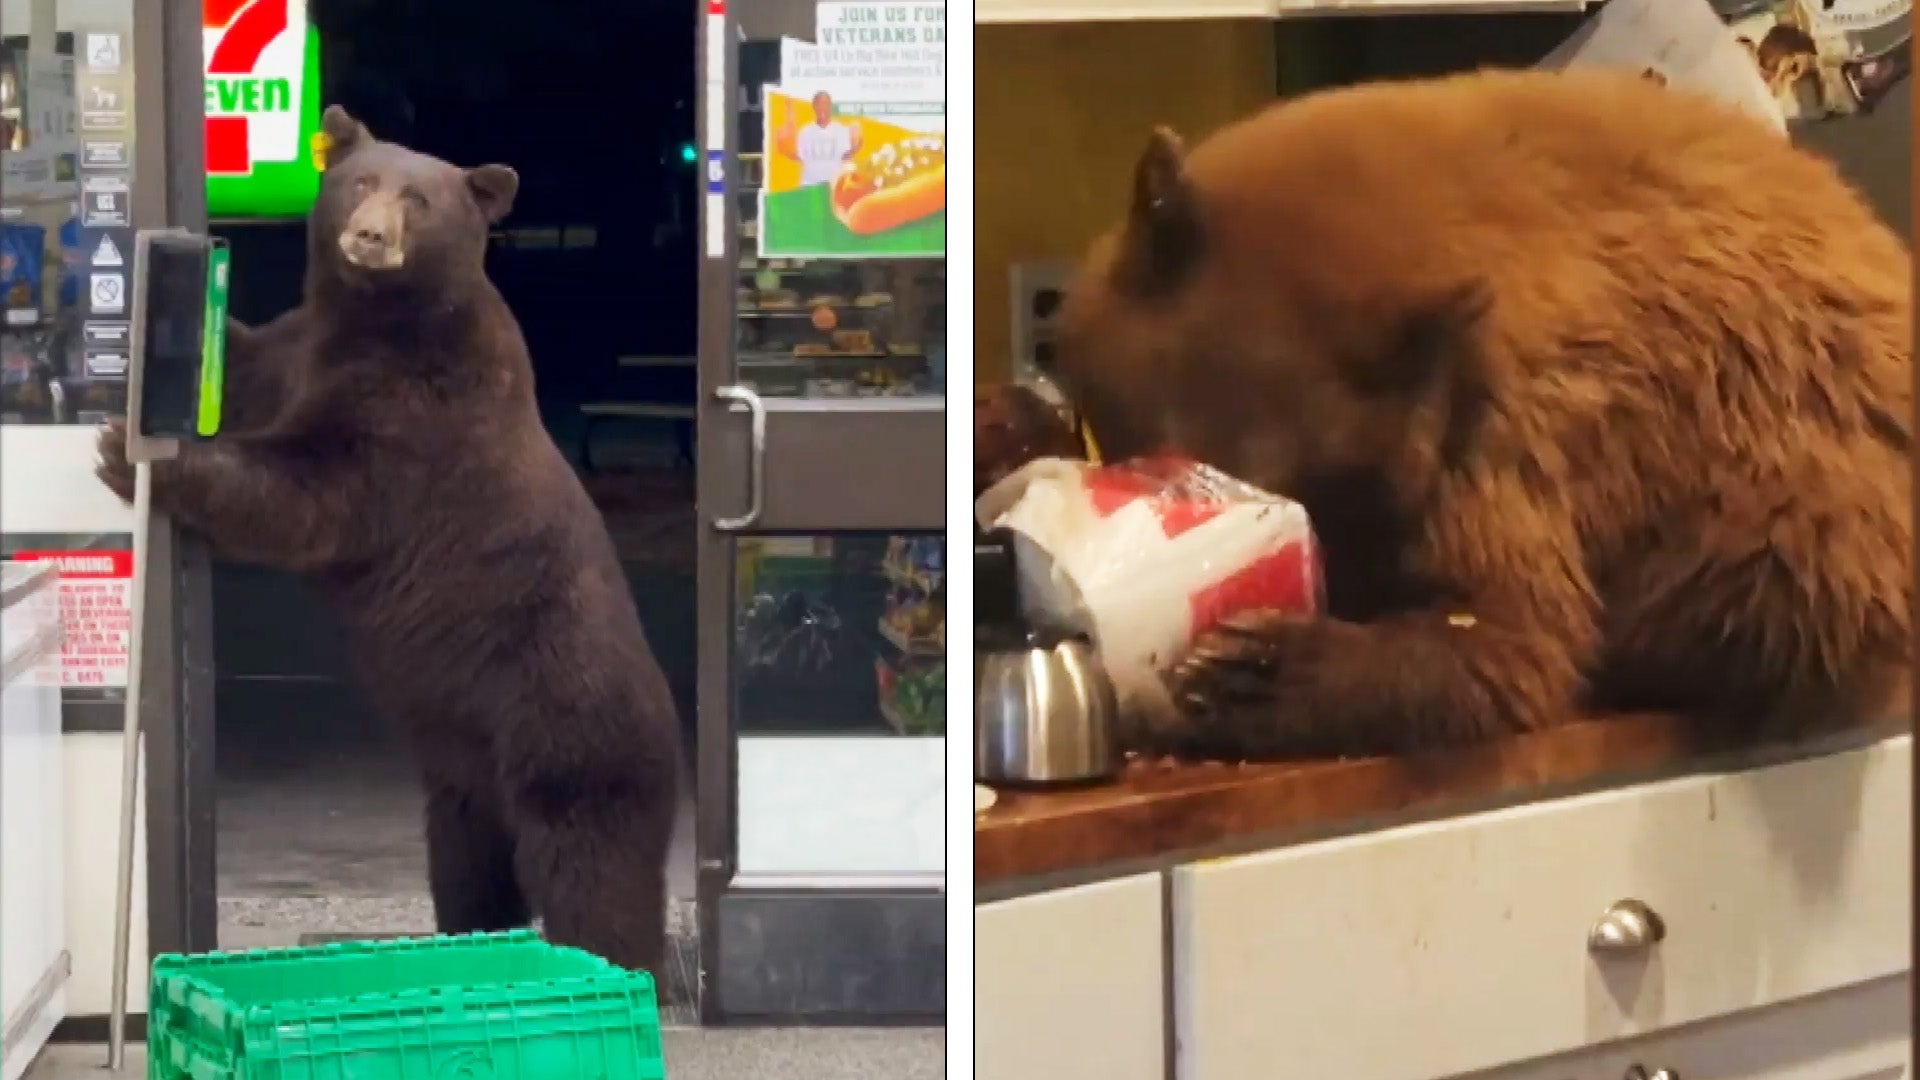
<point x="114" y="470"/>
<point x="1250" y="689"/>
<point x="1231" y="666"/>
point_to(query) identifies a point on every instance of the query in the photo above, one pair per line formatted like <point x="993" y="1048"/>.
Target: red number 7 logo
<point x="250" y="25"/>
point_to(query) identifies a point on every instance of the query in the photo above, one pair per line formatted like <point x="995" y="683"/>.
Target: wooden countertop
<point x="1159" y="809"/>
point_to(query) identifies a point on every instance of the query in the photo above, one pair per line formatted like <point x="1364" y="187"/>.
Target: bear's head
<point x="391" y="219"/>
<point x="1227" y="317"/>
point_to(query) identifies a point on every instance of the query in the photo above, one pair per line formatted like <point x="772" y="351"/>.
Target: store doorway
<point x="319" y="814"/>
<point x="805" y="602"/>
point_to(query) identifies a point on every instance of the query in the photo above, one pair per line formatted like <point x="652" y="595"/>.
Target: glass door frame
<point x="848" y="951"/>
<point x="177" y="712"/>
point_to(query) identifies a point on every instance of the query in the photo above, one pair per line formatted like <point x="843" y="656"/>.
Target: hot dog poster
<point x="855" y="137"/>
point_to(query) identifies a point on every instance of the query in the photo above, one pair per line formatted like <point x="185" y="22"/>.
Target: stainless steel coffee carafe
<point x="1043" y="714"/>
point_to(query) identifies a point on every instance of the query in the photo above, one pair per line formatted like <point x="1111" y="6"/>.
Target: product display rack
<point x="912" y="670"/>
<point x="810" y="605"/>
<point x="831" y="328"/>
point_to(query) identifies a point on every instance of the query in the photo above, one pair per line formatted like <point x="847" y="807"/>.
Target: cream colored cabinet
<point x="1860" y="1033"/>
<point x="1461" y="946"/>
<point x="1071" y="984"/>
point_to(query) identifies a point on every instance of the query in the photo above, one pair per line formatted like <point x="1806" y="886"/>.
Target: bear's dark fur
<point x="1600" y="396"/>
<point x="1013" y="425"/>
<point x="387" y="448"/>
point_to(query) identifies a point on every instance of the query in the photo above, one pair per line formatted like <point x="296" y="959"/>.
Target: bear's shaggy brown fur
<point x="387" y="448"/>
<point x="1599" y="394"/>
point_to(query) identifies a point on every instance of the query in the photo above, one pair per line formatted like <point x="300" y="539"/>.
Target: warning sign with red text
<point x="96" y="606"/>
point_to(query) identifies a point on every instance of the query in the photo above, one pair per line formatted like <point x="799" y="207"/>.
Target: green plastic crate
<point x="482" y="1007"/>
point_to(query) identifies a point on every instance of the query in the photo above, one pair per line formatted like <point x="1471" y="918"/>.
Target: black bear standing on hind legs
<point x="385" y="446"/>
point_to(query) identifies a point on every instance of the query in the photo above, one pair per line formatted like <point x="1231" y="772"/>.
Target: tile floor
<point x="358" y="868"/>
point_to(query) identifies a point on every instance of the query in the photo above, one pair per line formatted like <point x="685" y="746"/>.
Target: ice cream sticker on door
<point x="855" y="138"/>
<point x="263" y="107"/>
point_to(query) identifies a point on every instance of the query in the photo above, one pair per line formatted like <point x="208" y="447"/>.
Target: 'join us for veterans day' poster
<point x="855" y="140"/>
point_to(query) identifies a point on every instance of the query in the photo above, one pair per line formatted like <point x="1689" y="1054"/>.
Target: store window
<point x="830" y="303"/>
<point x="841" y="697"/>
<point x="841" y="635"/>
<point x="66" y="250"/>
<point x="62" y="348"/>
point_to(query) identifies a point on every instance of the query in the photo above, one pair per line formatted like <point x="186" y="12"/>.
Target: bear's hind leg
<point x="470" y="865"/>
<point x="593" y="857"/>
<point x="1768" y="617"/>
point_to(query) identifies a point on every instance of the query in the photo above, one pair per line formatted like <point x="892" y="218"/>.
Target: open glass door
<point x="821" y="475"/>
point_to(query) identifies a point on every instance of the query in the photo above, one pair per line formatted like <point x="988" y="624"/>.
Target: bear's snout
<point x="375" y="234"/>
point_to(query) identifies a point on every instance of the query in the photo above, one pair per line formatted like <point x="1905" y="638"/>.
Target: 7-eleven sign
<point x="256" y="83"/>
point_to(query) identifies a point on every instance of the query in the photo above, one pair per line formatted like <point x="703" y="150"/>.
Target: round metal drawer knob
<point x="1639" y="1072"/>
<point x="1628" y="926"/>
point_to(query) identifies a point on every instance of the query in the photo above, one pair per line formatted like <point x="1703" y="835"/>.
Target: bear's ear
<point x="493" y="187"/>
<point x="1163" y="235"/>
<point x="344" y="134"/>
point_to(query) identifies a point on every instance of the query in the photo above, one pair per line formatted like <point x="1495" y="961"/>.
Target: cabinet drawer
<point x="1860" y="1033"/>
<point x="1453" y="946"/>
<point x="1072" y="983"/>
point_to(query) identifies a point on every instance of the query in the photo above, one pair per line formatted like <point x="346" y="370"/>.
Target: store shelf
<point x="892" y="715"/>
<point x="870" y="346"/>
<point x="899" y="721"/>
<point x="826" y="361"/>
<point x="1056" y="11"/>
<point x="912" y="579"/>
<point x="932" y="722"/>
<point x="922" y="649"/>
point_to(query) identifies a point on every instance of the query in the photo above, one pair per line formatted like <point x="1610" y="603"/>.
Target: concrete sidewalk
<point x="691" y="1053"/>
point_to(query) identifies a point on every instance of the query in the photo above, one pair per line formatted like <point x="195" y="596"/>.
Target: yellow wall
<point x="1062" y="114"/>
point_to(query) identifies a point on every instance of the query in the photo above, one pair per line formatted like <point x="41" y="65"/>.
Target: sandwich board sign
<point x="263" y="108"/>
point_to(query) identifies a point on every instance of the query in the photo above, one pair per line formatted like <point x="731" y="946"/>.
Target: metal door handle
<point x="756" y="456"/>
<point x="1628" y="926"/>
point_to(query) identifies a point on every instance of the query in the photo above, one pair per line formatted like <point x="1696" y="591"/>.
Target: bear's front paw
<point x="114" y="470"/>
<point x="1245" y="689"/>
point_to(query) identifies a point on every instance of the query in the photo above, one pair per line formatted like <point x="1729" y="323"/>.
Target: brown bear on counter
<point x="407" y="475"/>
<point x="1599" y="395"/>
